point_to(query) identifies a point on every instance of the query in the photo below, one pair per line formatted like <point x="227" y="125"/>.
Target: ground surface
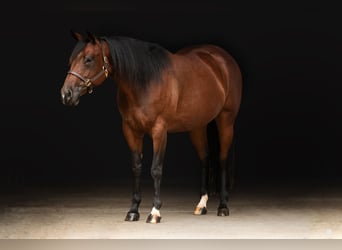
<point x="97" y="212"/>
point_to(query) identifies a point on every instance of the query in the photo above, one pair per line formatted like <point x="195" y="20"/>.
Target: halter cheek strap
<point x="88" y="82"/>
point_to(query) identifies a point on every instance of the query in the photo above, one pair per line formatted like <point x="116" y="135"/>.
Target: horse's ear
<point x="76" y="36"/>
<point x="91" y="37"/>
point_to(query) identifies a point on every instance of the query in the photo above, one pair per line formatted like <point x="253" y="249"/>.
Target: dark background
<point x="288" y="128"/>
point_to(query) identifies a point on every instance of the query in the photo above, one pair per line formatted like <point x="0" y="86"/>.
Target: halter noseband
<point x="88" y="82"/>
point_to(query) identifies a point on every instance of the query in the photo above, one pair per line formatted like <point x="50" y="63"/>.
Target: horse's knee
<point x="137" y="169"/>
<point x="156" y="171"/>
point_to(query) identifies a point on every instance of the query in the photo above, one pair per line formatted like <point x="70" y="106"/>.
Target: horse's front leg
<point x="159" y="137"/>
<point x="135" y="142"/>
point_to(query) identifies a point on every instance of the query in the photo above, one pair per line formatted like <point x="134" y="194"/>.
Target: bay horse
<point x="160" y="92"/>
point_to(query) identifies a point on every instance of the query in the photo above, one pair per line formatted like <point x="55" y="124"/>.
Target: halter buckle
<point x="105" y="71"/>
<point x="88" y="84"/>
<point x="105" y="59"/>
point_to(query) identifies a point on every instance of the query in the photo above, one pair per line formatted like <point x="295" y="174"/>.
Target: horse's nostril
<point x="66" y="96"/>
<point x="69" y="93"/>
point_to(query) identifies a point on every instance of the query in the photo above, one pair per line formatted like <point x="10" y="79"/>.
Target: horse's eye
<point x="87" y="60"/>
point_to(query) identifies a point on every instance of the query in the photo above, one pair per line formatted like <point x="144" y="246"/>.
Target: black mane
<point x="136" y="61"/>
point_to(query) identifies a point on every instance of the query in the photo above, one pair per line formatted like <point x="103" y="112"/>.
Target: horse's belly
<point x="196" y="110"/>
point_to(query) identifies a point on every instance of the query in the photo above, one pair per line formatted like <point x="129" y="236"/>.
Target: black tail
<point x="214" y="161"/>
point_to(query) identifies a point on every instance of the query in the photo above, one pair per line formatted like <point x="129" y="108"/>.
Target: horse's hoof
<point x="200" y="210"/>
<point x="223" y="212"/>
<point x="132" y="216"/>
<point x="154" y="219"/>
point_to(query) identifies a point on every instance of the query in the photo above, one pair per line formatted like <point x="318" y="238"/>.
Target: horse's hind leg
<point x="199" y="140"/>
<point x="225" y="126"/>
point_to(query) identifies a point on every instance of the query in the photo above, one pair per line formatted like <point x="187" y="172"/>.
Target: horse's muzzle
<point x="70" y="98"/>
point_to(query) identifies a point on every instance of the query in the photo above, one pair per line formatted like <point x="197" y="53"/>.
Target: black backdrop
<point x="288" y="127"/>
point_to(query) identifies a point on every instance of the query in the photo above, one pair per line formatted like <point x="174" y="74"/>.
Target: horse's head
<point x="88" y="68"/>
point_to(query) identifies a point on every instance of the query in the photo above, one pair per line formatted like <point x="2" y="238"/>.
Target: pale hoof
<point x="154" y="219"/>
<point x="200" y="211"/>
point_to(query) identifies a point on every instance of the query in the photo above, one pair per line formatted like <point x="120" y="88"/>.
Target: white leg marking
<point x="203" y="201"/>
<point x="155" y="211"/>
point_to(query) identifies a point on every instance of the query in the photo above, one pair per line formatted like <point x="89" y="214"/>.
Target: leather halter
<point x="88" y="82"/>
